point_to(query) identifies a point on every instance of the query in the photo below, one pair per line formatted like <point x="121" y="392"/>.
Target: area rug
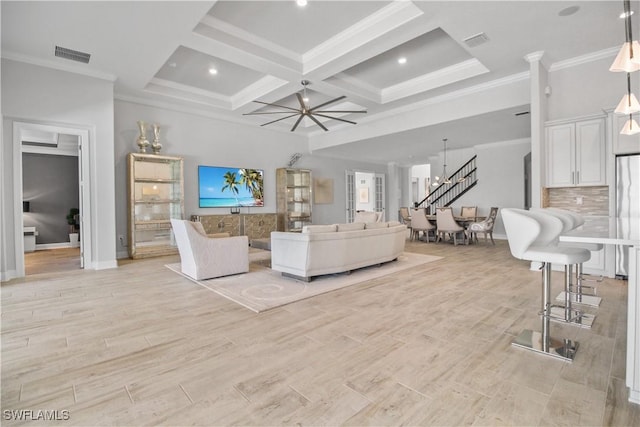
<point x="262" y="289"/>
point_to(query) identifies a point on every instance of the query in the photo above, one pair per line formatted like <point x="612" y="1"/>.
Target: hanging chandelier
<point x="444" y="177"/>
<point x="628" y="60"/>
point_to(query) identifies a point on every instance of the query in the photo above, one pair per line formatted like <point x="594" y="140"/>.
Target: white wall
<point x="500" y="179"/>
<point x="206" y="141"/>
<point x="586" y="89"/>
<point x="36" y="94"/>
<point x="419" y="175"/>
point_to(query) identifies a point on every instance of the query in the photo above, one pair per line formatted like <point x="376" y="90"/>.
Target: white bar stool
<point x="567" y="313"/>
<point x="533" y="237"/>
<point x="580" y="293"/>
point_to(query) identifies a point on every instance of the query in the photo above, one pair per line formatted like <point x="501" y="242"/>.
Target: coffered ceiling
<point x="217" y="57"/>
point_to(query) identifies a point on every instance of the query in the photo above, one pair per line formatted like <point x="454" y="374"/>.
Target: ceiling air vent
<point x="73" y="55"/>
<point x="476" y="40"/>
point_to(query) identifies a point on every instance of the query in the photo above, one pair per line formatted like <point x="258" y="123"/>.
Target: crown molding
<point x="583" y="59"/>
<point x="189" y="93"/>
<point x="373" y="26"/>
<point x="504" y="81"/>
<point x="248" y="37"/>
<point x="362" y="88"/>
<point x="256" y="90"/>
<point x="455" y="73"/>
<point x="172" y="106"/>
<point x="13" y="56"/>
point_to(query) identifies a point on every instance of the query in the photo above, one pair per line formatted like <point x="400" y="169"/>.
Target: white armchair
<point x="204" y="257"/>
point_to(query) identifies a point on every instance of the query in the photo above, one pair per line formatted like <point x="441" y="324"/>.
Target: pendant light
<point x="628" y="60"/>
<point x="445" y="178"/>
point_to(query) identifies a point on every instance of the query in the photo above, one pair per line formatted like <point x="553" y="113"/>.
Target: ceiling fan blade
<point x="301" y="101"/>
<point x="257" y="113"/>
<point x="335" y="118"/>
<point x="328" y="102"/>
<point x="338" y="111"/>
<point x="281" y="118"/>
<point x="277" y="105"/>
<point x="317" y="122"/>
<point x="297" y="122"/>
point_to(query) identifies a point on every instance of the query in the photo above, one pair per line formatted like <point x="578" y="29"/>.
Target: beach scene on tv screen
<point x="227" y="187"/>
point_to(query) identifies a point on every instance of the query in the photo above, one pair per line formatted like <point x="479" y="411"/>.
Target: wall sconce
<point x="26" y="206"/>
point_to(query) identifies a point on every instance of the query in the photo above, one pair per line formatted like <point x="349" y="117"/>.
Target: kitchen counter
<point x="626" y="232"/>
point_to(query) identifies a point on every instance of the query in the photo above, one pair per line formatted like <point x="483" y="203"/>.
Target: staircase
<point x="462" y="180"/>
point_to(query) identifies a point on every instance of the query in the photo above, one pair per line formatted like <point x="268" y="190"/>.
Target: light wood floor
<point x="51" y="260"/>
<point x="140" y="345"/>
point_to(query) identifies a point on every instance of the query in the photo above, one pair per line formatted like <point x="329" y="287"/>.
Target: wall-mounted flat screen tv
<point x="220" y="187"/>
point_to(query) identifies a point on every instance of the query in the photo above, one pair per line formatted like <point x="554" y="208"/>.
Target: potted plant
<point x="72" y="220"/>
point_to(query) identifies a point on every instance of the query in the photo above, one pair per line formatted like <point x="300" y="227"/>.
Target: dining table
<point x="620" y="232"/>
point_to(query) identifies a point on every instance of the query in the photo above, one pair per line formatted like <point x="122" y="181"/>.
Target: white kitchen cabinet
<point x="576" y="153"/>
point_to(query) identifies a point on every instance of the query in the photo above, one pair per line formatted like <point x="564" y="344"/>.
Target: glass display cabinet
<point x="156" y="195"/>
<point x="293" y="193"/>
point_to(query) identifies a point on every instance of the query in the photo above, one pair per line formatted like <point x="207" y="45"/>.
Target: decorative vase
<point x="156" y="146"/>
<point x="142" y="142"/>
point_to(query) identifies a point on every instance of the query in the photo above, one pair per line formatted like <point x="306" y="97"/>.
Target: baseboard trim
<point x="5" y="276"/>
<point x="45" y="246"/>
<point x="105" y="265"/>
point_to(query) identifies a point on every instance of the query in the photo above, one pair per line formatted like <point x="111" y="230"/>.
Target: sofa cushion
<point x="370" y="225"/>
<point x="319" y="228"/>
<point x="354" y="226"/>
<point x="365" y="216"/>
<point x="393" y="223"/>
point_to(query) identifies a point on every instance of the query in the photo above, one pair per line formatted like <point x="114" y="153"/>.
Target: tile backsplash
<point x="595" y="200"/>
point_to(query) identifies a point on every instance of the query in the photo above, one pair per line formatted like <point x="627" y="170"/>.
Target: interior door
<point x="379" y="199"/>
<point x="83" y="231"/>
<point x="350" y="195"/>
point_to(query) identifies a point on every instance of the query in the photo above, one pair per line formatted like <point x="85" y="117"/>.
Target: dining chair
<point x="419" y="222"/>
<point x="446" y="224"/>
<point x="469" y="212"/>
<point x="405" y="218"/>
<point x="485" y="227"/>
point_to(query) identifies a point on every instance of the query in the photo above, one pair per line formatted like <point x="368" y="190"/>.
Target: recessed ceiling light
<point x="402" y="60"/>
<point x="569" y="10"/>
<point x="172" y="64"/>
<point x="301" y="3"/>
<point x="213" y="71"/>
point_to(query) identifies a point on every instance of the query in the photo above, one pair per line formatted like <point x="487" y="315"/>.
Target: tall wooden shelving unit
<point x="293" y="194"/>
<point x="156" y="195"/>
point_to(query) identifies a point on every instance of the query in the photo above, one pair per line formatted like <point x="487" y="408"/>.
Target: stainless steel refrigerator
<point x="627" y="202"/>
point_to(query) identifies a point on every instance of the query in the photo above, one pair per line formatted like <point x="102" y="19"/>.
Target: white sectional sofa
<point x="336" y="248"/>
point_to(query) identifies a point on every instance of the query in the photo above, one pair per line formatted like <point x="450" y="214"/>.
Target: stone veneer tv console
<point x="257" y="227"/>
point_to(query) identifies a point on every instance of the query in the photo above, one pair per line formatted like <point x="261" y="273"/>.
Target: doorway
<point x="63" y="152"/>
<point x="365" y="191"/>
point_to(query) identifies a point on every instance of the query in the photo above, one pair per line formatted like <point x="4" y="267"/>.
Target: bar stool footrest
<point x="558" y="348"/>
<point x="583" y="290"/>
<point x="575" y="318"/>
<point x="588" y="278"/>
<point x="589" y="300"/>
